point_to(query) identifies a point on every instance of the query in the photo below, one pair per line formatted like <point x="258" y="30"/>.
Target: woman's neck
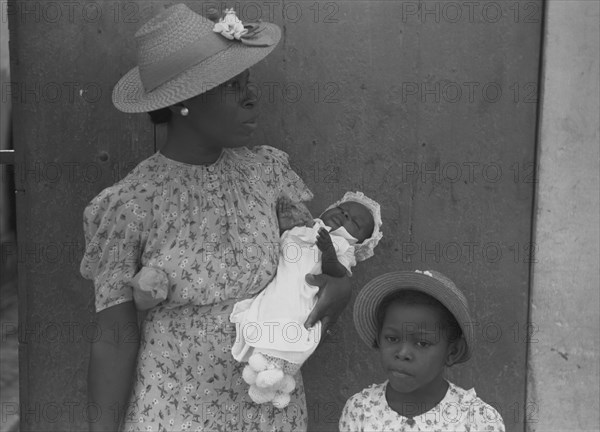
<point x="419" y="401"/>
<point x="183" y="144"/>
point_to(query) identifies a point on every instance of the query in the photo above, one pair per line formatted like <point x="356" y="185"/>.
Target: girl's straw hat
<point x="430" y="282"/>
<point x="179" y="56"/>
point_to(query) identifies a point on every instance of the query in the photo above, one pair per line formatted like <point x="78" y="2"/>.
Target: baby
<point x="271" y="335"/>
<point x="420" y="323"/>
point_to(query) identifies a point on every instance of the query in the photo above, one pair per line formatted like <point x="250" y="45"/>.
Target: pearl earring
<point x="184" y="111"/>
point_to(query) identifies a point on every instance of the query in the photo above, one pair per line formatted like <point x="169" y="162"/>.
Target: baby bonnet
<point x="365" y="249"/>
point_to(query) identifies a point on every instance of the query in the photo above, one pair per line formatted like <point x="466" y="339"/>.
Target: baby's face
<point x="354" y="217"/>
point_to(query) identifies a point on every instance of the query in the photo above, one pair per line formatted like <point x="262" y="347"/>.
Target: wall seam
<point x="536" y="189"/>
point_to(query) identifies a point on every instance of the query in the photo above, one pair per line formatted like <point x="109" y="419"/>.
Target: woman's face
<point x="225" y="115"/>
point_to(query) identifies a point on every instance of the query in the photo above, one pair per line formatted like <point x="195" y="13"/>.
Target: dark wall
<point x="430" y="113"/>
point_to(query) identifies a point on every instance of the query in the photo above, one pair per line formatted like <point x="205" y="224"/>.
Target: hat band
<point x="155" y="74"/>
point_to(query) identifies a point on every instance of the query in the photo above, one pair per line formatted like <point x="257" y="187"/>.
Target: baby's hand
<point x="324" y="242"/>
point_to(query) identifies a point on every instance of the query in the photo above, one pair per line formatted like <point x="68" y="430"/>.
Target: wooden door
<point x="428" y="107"/>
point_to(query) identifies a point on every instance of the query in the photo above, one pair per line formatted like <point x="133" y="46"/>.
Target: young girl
<point x="270" y="331"/>
<point x="420" y="324"/>
<point x="180" y="213"/>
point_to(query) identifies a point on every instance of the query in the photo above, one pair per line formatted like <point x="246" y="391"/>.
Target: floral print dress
<point x="460" y="411"/>
<point x="213" y="229"/>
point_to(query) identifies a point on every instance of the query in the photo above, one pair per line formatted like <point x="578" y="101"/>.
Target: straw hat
<point x="180" y="56"/>
<point x="430" y="282"/>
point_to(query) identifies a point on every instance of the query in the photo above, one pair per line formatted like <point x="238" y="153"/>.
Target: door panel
<point x="427" y="107"/>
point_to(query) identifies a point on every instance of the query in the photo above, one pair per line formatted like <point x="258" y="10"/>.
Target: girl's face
<point x="413" y="348"/>
<point x="353" y="216"/>
<point x="225" y="115"/>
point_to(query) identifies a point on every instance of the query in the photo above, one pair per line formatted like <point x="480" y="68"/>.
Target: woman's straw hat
<point x="429" y="282"/>
<point x="179" y="56"/>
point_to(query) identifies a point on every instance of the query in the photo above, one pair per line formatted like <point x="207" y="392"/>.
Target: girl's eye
<point x="232" y="84"/>
<point x="423" y="344"/>
<point x="391" y="339"/>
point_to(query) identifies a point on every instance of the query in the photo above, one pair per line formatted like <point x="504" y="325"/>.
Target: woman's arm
<point x="112" y="365"/>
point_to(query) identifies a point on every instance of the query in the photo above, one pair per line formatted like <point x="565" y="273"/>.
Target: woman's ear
<point x="456" y="349"/>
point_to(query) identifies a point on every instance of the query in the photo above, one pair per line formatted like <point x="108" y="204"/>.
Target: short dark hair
<point x="414" y="297"/>
<point x="162" y="115"/>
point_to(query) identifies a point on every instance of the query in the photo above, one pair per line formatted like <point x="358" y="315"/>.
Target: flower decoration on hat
<point x="251" y="34"/>
<point x="230" y="26"/>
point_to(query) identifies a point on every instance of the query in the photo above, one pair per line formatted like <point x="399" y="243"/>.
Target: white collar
<point x="455" y="397"/>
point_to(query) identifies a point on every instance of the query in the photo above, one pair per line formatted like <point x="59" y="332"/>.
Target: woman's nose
<point x="250" y="98"/>
<point x="403" y="352"/>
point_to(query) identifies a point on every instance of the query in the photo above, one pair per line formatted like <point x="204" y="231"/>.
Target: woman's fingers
<point x="332" y="298"/>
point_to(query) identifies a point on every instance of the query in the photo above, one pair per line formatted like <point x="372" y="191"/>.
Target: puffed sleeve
<point x="486" y="418"/>
<point x="291" y="190"/>
<point x="113" y="226"/>
<point x="351" y="415"/>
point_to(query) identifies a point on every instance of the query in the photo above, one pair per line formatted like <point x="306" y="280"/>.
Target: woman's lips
<point x="250" y="121"/>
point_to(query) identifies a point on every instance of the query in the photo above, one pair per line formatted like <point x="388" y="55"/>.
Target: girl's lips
<point x="400" y="374"/>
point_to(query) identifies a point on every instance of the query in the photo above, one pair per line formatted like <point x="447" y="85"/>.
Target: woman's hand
<point x="334" y="294"/>
<point x="291" y="214"/>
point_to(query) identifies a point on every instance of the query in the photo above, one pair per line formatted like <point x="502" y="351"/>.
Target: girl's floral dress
<point x="213" y="230"/>
<point x="460" y="411"/>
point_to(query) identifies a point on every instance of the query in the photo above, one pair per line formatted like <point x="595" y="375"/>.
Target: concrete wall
<point x="563" y="364"/>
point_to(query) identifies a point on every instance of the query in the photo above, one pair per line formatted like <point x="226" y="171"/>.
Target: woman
<point x="201" y="213"/>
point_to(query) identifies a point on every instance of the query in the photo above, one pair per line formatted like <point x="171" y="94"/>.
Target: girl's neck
<point x="419" y="401"/>
<point x="183" y="144"/>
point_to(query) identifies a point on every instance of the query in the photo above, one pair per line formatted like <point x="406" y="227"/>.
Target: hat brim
<point x="375" y="291"/>
<point x="129" y="95"/>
